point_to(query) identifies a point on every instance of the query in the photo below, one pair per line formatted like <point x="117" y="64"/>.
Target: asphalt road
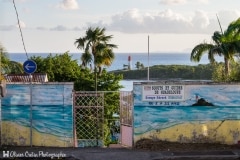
<point x="43" y="153"/>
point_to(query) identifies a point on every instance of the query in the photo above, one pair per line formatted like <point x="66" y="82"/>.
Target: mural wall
<point x="187" y="112"/>
<point x="51" y="115"/>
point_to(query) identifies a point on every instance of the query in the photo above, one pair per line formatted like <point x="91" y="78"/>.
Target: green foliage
<point x="226" y="44"/>
<point x="170" y="72"/>
<point x="8" y="66"/>
<point x="218" y="73"/>
<point x="59" y="68"/>
<point x="105" y="82"/>
<point x="235" y="73"/>
<point x="109" y="83"/>
<point x="139" y="65"/>
<point x="97" y="49"/>
<point x="219" y="76"/>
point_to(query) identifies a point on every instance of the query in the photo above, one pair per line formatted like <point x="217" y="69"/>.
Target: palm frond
<point x="199" y="50"/>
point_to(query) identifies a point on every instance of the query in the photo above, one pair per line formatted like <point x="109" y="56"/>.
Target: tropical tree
<point x="224" y="44"/>
<point x="59" y="68"/>
<point x="139" y="65"/>
<point x="108" y="82"/>
<point x="7" y="66"/>
<point x="96" y="48"/>
<point x="232" y="35"/>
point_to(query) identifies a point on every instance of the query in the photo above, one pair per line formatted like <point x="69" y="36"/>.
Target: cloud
<point x="68" y="4"/>
<point x="42" y="28"/>
<point x="12" y="27"/>
<point x="200" y="20"/>
<point x="7" y="28"/>
<point x="133" y="21"/>
<point x="172" y="2"/>
<point x="227" y="16"/>
<point x="181" y="2"/>
<point x="77" y="29"/>
<point x="59" y="28"/>
<point x="167" y="21"/>
<point x="203" y="1"/>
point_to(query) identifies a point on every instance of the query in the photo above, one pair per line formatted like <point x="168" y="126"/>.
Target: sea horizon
<point x="122" y="59"/>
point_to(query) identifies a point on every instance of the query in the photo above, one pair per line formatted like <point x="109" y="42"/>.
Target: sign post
<point x="29" y="67"/>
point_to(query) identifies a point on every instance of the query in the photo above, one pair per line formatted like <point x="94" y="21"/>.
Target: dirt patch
<point x="155" y="145"/>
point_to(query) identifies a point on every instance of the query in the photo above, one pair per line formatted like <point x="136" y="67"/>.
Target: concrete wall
<point x="52" y="116"/>
<point x="187" y="112"/>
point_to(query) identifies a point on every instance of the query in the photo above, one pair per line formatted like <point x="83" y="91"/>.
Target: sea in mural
<point x="51" y="122"/>
<point x="187" y="113"/>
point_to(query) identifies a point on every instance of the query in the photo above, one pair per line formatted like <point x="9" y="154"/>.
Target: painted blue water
<point x="161" y="117"/>
<point x="50" y="119"/>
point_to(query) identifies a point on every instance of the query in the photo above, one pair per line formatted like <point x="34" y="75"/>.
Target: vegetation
<point x="97" y="49"/>
<point x="99" y="52"/>
<point x="164" y="72"/>
<point x="8" y="66"/>
<point x="62" y="68"/>
<point x="139" y="65"/>
<point x="59" y="68"/>
<point x="226" y="44"/>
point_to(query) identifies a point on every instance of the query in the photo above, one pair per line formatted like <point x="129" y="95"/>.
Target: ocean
<point x="121" y="59"/>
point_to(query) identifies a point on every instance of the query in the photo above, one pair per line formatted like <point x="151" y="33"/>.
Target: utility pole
<point x="148" y="59"/>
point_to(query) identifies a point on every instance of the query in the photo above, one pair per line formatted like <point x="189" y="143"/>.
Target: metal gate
<point x="88" y="118"/>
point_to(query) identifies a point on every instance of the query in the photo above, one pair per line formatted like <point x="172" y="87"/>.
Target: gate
<point x="88" y="118"/>
<point x="126" y="118"/>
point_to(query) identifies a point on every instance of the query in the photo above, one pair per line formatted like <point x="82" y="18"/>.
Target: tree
<point x="139" y="65"/>
<point x="96" y="48"/>
<point x="232" y="36"/>
<point x="8" y="66"/>
<point x="224" y="44"/>
<point x="59" y="68"/>
<point x="109" y="83"/>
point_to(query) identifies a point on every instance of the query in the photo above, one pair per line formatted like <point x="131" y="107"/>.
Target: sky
<point x="52" y="26"/>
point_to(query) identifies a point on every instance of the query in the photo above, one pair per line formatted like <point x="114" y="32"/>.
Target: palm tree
<point x="86" y="58"/>
<point x="224" y="44"/>
<point x="97" y="49"/>
<point x="232" y="35"/>
<point x="7" y="66"/>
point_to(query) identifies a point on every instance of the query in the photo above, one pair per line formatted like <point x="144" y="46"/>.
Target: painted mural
<point x="51" y="123"/>
<point x="186" y="113"/>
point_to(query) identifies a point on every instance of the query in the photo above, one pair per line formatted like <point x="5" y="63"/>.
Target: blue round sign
<point x="29" y="66"/>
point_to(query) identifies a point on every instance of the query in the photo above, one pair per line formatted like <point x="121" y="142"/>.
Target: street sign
<point x="29" y="66"/>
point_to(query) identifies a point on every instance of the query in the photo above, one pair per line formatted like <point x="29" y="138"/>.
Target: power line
<point x="20" y="29"/>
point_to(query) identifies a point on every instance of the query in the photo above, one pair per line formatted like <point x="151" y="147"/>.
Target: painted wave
<point x="55" y="120"/>
<point x="162" y="117"/>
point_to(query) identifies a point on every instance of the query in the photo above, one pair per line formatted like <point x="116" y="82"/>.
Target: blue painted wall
<point x="177" y="115"/>
<point x="52" y="116"/>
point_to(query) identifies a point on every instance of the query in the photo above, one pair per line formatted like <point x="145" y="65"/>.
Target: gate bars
<point x="88" y="118"/>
